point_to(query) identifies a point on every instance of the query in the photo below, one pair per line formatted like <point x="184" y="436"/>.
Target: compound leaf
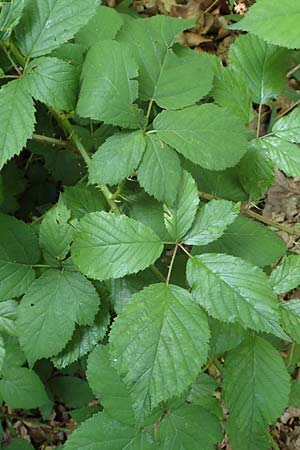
<point x="263" y="66"/>
<point x="22" y="388"/>
<point x="108" y="87"/>
<point x="109" y="246"/>
<point x="48" y="312"/>
<point x="117" y="158"/>
<point x="207" y="135"/>
<point x="286" y="276"/>
<point x="160" y="172"/>
<point x="52" y="81"/>
<point x="151" y="342"/>
<point x="211" y="221"/>
<point x="18" y="252"/>
<point x="46" y="24"/>
<point x="276" y="25"/>
<point x="16" y="119"/>
<point x="233" y="290"/>
<point x="283" y="154"/>
<point x="288" y="127"/>
<point x="108" y="386"/>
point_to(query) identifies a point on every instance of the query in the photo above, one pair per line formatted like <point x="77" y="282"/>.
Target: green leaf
<point x="8" y="313"/>
<point x="100" y="432"/>
<point x="232" y="92"/>
<point x="52" y="81"/>
<point x="150" y="41"/>
<point x="16" y="119"/>
<point x="21" y="388"/>
<point x="117" y="158"/>
<point x="286" y="276"/>
<point x="109" y="246"/>
<point x="256" y="170"/>
<point x="18" y="251"/>
<point x="159" y="172"/>
<point x="49" y="310"/>
<point x="295" y="394"/>
<point x="207" y="135"/>
<point x="187" y="428"/>
<point x="242" y="440"/>
<point x="179" y="218"/>
<point x="14" y="356"/>
<point x="108" y="87"/>
<point x="10" y="17"/>
<point x="288" y="127"/>
<point x="83" y="340"/>
<point x="225" y="336"/>
<point x="232" y="290"/>
<point x="151" y="342"/>
<point x="2" y="353"/>
<point x="73" y="391"/>
<point x="55" y="232"/>
<point x="20" y="444"/>
<point x="103" y="25"/>
<point x="276" y="25"/>
<point x="248" y="240"/>
<point x="254" y="395"/>
<point x="263" y="66"/>
<point x="45" y="25"/>
<point x="290" y="318"/>
<point x="211" y="221"/>
<point x="81" y="200"/>
<point x="202" y="394"/>
<point x="284" y="155"/>
<point x="108" y="386"/>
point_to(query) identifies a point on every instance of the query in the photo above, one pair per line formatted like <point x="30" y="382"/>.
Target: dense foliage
<point x="128" y="249"/>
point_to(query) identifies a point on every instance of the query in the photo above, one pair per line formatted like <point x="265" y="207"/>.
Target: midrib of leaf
<point x="42" y="26"/>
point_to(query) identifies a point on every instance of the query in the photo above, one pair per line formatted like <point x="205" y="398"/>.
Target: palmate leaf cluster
<point x="113" y="265"/>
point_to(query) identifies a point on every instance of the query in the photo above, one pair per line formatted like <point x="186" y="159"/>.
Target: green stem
<point x="254" y="215"/>
<point x="185" y="250"/>
<point x="119" y="189"/>
<point x="49" y="140"/>
<point x="259" y="120"/>
<point x="149" y="108"/>
<point x="210" y="6"/>
<point x="171" y="264"/>
<point x="157" y="273"/>
<point x="6" y="50"/>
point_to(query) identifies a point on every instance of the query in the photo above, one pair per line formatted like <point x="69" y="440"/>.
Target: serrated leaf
<point x="240" y="440"/>
<point x="150" y="41"/>
<point x="108" y="386"/>
<point x="103" y="25"/>
<point x="231" y="91"/>
<point x="84" y="339"/>
<point x="202" y="394"/>
<point x="18" y="252"/>
<point x="283" y="154"/>
<point x="286" y="276"/>
<point x="108" y="246"/>
<point x="117" y="158"/>
<point x="256" y="170"/>
<point x="179" y="218"/>
<point x="16" y="119"/>
<point x="255" y="397"/>
<point x="73" y="391"/>
<point x="108" y="87"/>
<point x="55" y="232"/>
<point x="81" y="199"/>
<point x="288" y="127"/>
<point x="49" y="310"/>
<point x="263" y="66"/>
<point x="207" y="135"/>
<point x="211" y="221"/>
<point x="46" y="24"/>
<point x="52" y="81"/>
<point x="276" y="25"/>
<point x="248" y="240"/>
<point x="160" y="172"/>
<point x="8" y="314"/>
<point x="10" y="17"/>
<point x="151" y="341"/>
<point x="233" y="290"/>
<point x="187" y="428"/>
<point x="22" y="388"/>
<point x="101" y="432"/>
<point x="290" y="318"/>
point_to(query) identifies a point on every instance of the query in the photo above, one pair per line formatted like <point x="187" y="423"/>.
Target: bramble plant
<point x="129" y="251"/>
